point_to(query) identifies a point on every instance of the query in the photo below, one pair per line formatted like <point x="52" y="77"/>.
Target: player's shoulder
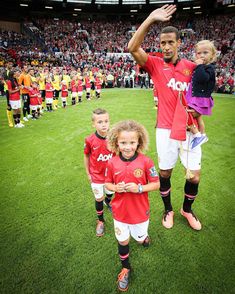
<point x="187" y="62"/>
<point x="144" y="158"/>
<point x="91" y="137"/>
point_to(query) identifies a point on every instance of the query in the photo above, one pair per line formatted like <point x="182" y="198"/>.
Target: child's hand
<point x="89" y="178"/>
<point x="131" y="187"/>
<point x="199" y="61"/>
<point x="120" y="187"/>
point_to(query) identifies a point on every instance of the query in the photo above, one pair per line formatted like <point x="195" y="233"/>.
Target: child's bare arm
<point x="119" y="187"/>
<point x="134" y="188"/>
<point x="86" y="164"/>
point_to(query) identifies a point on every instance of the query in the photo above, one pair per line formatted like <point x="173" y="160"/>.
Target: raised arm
<point x="158" y="15"/>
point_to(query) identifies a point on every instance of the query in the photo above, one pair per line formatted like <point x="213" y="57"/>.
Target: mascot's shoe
<point x="192" y="219"/>
<point x="99" y="229"/>
<point x="123" y="279"/>
<point x="198" y="141"/>
<point x="146" y="242"/>
<point x="168" y="219"/>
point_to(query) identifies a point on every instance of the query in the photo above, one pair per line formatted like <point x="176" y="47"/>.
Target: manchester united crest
<point x="138" y="172"/>
<point x="187" y="72"/>
<point x="117" y="231"/>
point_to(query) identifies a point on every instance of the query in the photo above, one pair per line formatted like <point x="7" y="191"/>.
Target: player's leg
<point x="9" y="111"/>
<point x="108" y="198"/>
<point x="57" y="93"/>
<point x="80" y="96"/>
<point x="98" y="191"/>
<point x="74" y="94"/>
<point x="9" y="116"/>
<point x="191" y="160"/>
<point x="167" y="150"/>
<point x="88" y="90"/>
<point x="140" y="233"/>
<point x="15" y="117"/>
<point x="18" y="112"/>
<point x="25" y="106"/>
<point x="28" y="106"/>
<point x="122" y="234"/>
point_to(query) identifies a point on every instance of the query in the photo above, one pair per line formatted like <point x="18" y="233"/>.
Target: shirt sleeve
<point x="152" y="174"/>
<point x="9" y="85"/>
<point x="151" y="64"/>
<point x="87" y="147"/>
<point x="109" y="173"/>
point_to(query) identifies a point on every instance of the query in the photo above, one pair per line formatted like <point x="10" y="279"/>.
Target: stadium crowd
<point x="98" y="49"/>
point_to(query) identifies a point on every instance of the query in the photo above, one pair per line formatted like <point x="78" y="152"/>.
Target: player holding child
<point x="202" y="85"/>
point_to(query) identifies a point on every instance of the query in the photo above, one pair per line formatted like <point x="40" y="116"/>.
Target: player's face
<point x="169" y="46"/>
<point x="128" y="143"/>
<point x="101" y="124"/>
<point x="204" y="52"/>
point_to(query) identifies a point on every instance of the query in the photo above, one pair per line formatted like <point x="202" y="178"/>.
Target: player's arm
<point x="10" y="90"/>
<point x="134" y="188"/>
<point x="86" y="164"/>
<point x="158" y="15"/>
<point x="119" y="187"/>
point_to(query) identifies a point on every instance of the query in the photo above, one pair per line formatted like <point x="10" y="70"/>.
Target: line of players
<point x="40" y="90"/>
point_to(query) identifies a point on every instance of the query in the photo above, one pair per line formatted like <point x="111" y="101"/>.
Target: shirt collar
<point x="100" y="137"/>
<point x="129" y="159"/>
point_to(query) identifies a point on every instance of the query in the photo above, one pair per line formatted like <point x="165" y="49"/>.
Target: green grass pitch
<point x="48" y="241"/>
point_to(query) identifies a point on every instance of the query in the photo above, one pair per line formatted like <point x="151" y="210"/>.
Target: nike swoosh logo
<point x="141" y="236"/>
<point x="94" y="148"/>
<point x="117" y="173"/>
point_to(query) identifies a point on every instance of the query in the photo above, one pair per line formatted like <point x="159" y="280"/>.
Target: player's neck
<point x="101" y="134"/>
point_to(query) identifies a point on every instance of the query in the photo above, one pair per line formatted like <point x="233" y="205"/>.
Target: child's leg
<point x="123" y="251"/>
<point x="108" y="198"/>
<point x="99" y="208"/>
<point x="199" y="137"/>
<point x="98" y="190"/>
<point x="15" y="117"/>
<point x="122" y="234"/>
<point x="201" y="124"/>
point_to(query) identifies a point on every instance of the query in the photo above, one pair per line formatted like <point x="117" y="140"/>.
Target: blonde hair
<point x="98" y="111"/>
<point x="128" y="126"/>
<point x="211" y="45"/>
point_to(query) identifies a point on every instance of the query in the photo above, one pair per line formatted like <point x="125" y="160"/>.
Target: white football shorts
<point x="15" y="104"/>
<point x="137" y="231"/>
<point x="99" y="190"/>
<point x="34" y="107"/>
<point x="49" y="100"/>
<point x="168" y="151"/>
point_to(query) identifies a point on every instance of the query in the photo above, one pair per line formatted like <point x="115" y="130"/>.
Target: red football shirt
<point x="14" y="96"/>
<point x="80" y="85"/>
<point x="64" y="91"/>
<point x="96" y="148"/>
<point x="49" y="92"/>
<point x="169" y="80"/>
<point x="33" y="95"/>
<point x="131" y="208"/>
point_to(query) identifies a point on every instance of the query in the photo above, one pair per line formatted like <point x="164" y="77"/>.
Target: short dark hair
<point x="98" y="111"/>
<point x="170" y="29"/>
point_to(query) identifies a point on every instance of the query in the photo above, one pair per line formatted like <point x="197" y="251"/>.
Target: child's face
<point x="101" y="123"/>
<point x="204" y="52"/>
<point x="128" y="143"/>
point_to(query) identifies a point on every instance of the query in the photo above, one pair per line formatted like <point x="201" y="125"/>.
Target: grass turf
<point x="48" y="241"/>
